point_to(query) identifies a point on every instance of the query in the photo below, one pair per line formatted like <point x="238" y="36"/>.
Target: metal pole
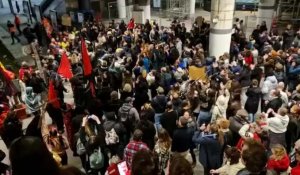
<point x="37" y="59"/>
<point x="11" y="6"/>
<point x="1" y="4"/>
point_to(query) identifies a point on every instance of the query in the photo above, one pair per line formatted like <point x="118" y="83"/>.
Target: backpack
<point x="96" y="159"/>
<point x="125" y="119"/>
<point x="111" y="137"/>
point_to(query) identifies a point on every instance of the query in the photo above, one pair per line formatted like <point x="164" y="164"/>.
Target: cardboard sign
<point x="66" y="20"/>
<point x="197" y="73"/>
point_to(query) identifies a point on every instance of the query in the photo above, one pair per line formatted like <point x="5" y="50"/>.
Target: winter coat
<point x="254" y="95"/>
<point x="210" y="148"/>
<point x="269" y="84"/>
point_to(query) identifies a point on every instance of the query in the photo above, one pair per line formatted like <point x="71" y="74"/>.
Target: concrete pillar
<point x="121" y="8"/>
<point x="192" y="7"/>
<point x="220" y="27"/>
<point x="84" y="4"/>
<point x="265" y="12"/>
<point x="145" y="6"/>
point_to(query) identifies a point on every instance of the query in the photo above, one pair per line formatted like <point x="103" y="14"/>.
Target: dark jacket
<point x="275" y="104"/>
<point x="210" y="148"/>
<point x="159" y="103"/>
<point x="181" y="140"/>
<point x="120" y="131"/>
<point x="149" y="132"/>
<point x="168" y="121"/>
<point x="244" y="77"/>
<point x="254" y="95"/>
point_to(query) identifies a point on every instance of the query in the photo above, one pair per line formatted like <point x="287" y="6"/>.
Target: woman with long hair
<point x="163" y="149"/>
<point x="211" y="141"/>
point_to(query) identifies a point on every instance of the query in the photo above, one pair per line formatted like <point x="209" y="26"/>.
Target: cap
<point x="129" y="99"/>
<point x="242" y="113"/>
<point x="160" y="90"/>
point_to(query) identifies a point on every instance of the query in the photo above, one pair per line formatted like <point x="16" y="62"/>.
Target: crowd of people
<point x="138" y="111"/>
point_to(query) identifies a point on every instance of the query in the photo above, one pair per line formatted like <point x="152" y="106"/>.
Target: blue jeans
<point x="251" y="118"/>
<point x="204" y="117"/>
<point x="157" y="121"/>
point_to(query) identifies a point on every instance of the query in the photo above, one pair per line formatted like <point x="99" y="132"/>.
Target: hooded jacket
<point x="278" y="124"/>
<point x="31" y="100"/>
<point x="269" y="84"/>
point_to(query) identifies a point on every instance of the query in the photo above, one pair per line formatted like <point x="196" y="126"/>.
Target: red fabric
<point x="92" y="88"/>
<point x="9" y="89"/>
<point x="64" y="68"/>
<point x="17" y="20"/>
<point x="22" y="72"/>
<point x="3" y="115"/>
<point x="249" y="60"/>
<point x="296" y="170"/>
<point x="279" y="165"/>
<point x="87" y="66"/>
<point x="132" y="148"/>
<point x="52" y="96"/>
<point x="67" y="116"/>
<point x="130" y="25"/>
<point x="113" y="169"/>
<point x="240" y="143"/>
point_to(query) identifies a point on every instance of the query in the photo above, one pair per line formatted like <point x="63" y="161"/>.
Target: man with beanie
<point x="236" y="123"/>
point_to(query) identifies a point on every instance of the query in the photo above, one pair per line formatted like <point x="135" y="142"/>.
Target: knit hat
<point x="160" y="90"/>
<point x="242" y="113"/>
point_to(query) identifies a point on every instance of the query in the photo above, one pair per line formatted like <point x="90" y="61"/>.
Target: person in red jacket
<point x="296" y="170"/>
<point x="131" y="24"/>
<point x="279" y="161"/>
<point x="18" y="23"/>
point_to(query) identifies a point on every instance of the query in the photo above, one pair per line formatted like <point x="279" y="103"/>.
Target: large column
<point x="220" y="27"/>
<point x="121" y="8"/>
<point x="84" y="4"/>
<point x="145" y="6"/>
<point x="192" y="7"/>
<point x="266" y="12"/>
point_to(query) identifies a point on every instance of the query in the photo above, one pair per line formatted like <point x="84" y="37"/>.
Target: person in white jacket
<point x="219" y="110"/>
<point x="277" y="126"/>
<point x="233" y="164"/>
<point x="269" y="84"/>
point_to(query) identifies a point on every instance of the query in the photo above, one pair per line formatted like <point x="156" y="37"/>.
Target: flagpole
<point x="37" y="59"/>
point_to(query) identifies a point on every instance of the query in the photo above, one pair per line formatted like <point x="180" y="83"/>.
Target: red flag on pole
<point x="64" y="68"/>
<point x="87" y="66"/>
<point x="52" y="97"/>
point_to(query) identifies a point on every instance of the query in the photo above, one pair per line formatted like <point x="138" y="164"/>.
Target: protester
<point x="139" y="77"/>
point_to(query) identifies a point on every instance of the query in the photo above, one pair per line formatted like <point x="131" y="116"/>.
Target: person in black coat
<point x="148" y="129"/>
<point x="169" y="119"/>
<point x="275" y="103"/>
<point x="112" y="123"/>
<point x="254" y="96"/>
<point x="182" y="138"/>
<point x="244" y="77"/>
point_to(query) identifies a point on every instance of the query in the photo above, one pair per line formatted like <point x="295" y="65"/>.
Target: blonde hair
<point x="127" y="87"/>
<point x="278" y="151"/>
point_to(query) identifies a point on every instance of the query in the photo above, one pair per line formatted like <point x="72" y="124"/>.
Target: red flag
<point x="64" y="68"/>
<point x="52" y="97"/>
<point x="6" y="83"/>
<point x="87" y="66"/>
